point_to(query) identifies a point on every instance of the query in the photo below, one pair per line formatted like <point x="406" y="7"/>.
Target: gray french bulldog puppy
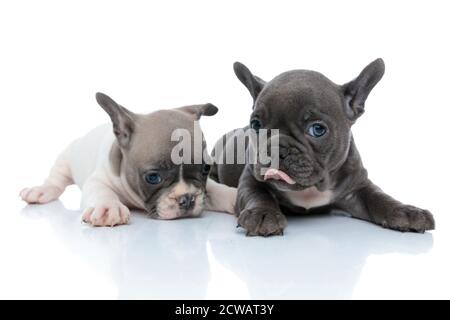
<point x="319" y="166"/>
<point x="128" y="165"/>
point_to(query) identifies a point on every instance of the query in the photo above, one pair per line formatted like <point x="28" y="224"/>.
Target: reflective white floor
<point x="47" y="253"/>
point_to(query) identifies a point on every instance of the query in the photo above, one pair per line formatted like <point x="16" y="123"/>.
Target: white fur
<point x="309" y="198"/>
<point x="106" y="197"/>
<point x="220" y="197"/>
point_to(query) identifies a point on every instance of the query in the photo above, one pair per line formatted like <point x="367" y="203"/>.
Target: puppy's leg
<point x="258" y="209"/>
<point x="102" y="205"/>
<point x="372" y="204"/>
<point x="59" y="178"/>
<point x="220" y="197"/>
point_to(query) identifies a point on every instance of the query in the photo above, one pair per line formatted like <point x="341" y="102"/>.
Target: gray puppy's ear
<point x="122" y="119"/>
<point x="253" y="83"/>
<point x="356" y="91"/>
<point x="197" y="111"/>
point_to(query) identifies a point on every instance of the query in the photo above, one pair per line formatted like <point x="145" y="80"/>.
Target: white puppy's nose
<point x="186" y="201"/>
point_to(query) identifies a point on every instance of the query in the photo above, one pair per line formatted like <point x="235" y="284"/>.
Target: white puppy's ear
<point x="197" y="111"/>
<point x="253" y="83"/>
<point x="357" y="91"/>
<point x="122" y="119"/>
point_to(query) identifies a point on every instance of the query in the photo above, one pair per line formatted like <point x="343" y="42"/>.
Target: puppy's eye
<point x="205" y="169"/>
<point x="153" y="178"/>
<point x="255" y="124"/>
<point x="317" y="130"/>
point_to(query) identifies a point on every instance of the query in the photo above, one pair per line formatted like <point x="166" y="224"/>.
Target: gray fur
<point x="143" y="143"/>
<point x="289" y="103"/>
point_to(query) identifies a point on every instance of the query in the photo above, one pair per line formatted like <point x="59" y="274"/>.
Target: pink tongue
<point x="278" y="175"/>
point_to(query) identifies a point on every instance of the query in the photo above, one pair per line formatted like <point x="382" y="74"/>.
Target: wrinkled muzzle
<point x="285" y="163"/>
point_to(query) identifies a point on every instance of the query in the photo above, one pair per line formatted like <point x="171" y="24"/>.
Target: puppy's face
<point x="168" y="190"/>
<point x="313" y="117"/>
<point x="180" y="193"/>
<point x="313" y="131"/>
<point x="143" y="155"/>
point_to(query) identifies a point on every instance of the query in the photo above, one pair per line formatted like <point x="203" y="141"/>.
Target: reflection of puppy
<point x="133" y="169"/>
<point x="176" y="267"/>
<point x="319" y="164"/>
<point x="322" y="258"/>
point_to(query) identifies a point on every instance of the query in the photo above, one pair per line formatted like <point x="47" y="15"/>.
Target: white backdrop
<point x="54" y="56"/>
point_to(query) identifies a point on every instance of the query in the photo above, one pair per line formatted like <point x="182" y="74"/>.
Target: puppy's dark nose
<point x="186" y="201"/>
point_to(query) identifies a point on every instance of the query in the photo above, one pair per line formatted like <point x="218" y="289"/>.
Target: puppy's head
<point x="142" y="154"/>
<point x="314" y="117"/>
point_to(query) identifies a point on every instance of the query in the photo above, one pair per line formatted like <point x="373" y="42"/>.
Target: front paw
<point x="41" y="194"/>
<point x="262" y="222"/>
<point x="106" y="214"/>
<point x="409" y="218"/>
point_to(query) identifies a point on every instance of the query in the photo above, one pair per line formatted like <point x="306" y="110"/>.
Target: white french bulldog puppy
<point x="129" y="166"/>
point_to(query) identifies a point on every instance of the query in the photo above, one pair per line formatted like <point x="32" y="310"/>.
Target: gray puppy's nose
<point x="186" y="201"/>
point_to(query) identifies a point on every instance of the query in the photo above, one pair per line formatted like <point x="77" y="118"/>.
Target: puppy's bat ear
<point x="197" y="111"/>
<point x="253" y="83"/>
<point x="122" y="119"/>
<point x="356" y="91"/>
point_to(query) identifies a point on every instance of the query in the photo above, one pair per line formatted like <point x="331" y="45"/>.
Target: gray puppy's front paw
<point x="409" y="218"/>
<point x="262" y="222"/>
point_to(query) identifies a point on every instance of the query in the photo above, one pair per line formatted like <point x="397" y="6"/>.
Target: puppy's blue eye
<point x="205" y="169"/>
<point x="317" y="130"/>
<point x="153" y="178"/>
<point x="255" y="124"/>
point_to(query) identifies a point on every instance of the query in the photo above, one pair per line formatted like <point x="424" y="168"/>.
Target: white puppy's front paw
<point x="41" y="194"/>
<point x="106" y="214"/>
<point x="222" y="198"/>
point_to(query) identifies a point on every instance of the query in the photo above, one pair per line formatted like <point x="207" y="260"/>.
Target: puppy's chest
<point x="308" y="198"/>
